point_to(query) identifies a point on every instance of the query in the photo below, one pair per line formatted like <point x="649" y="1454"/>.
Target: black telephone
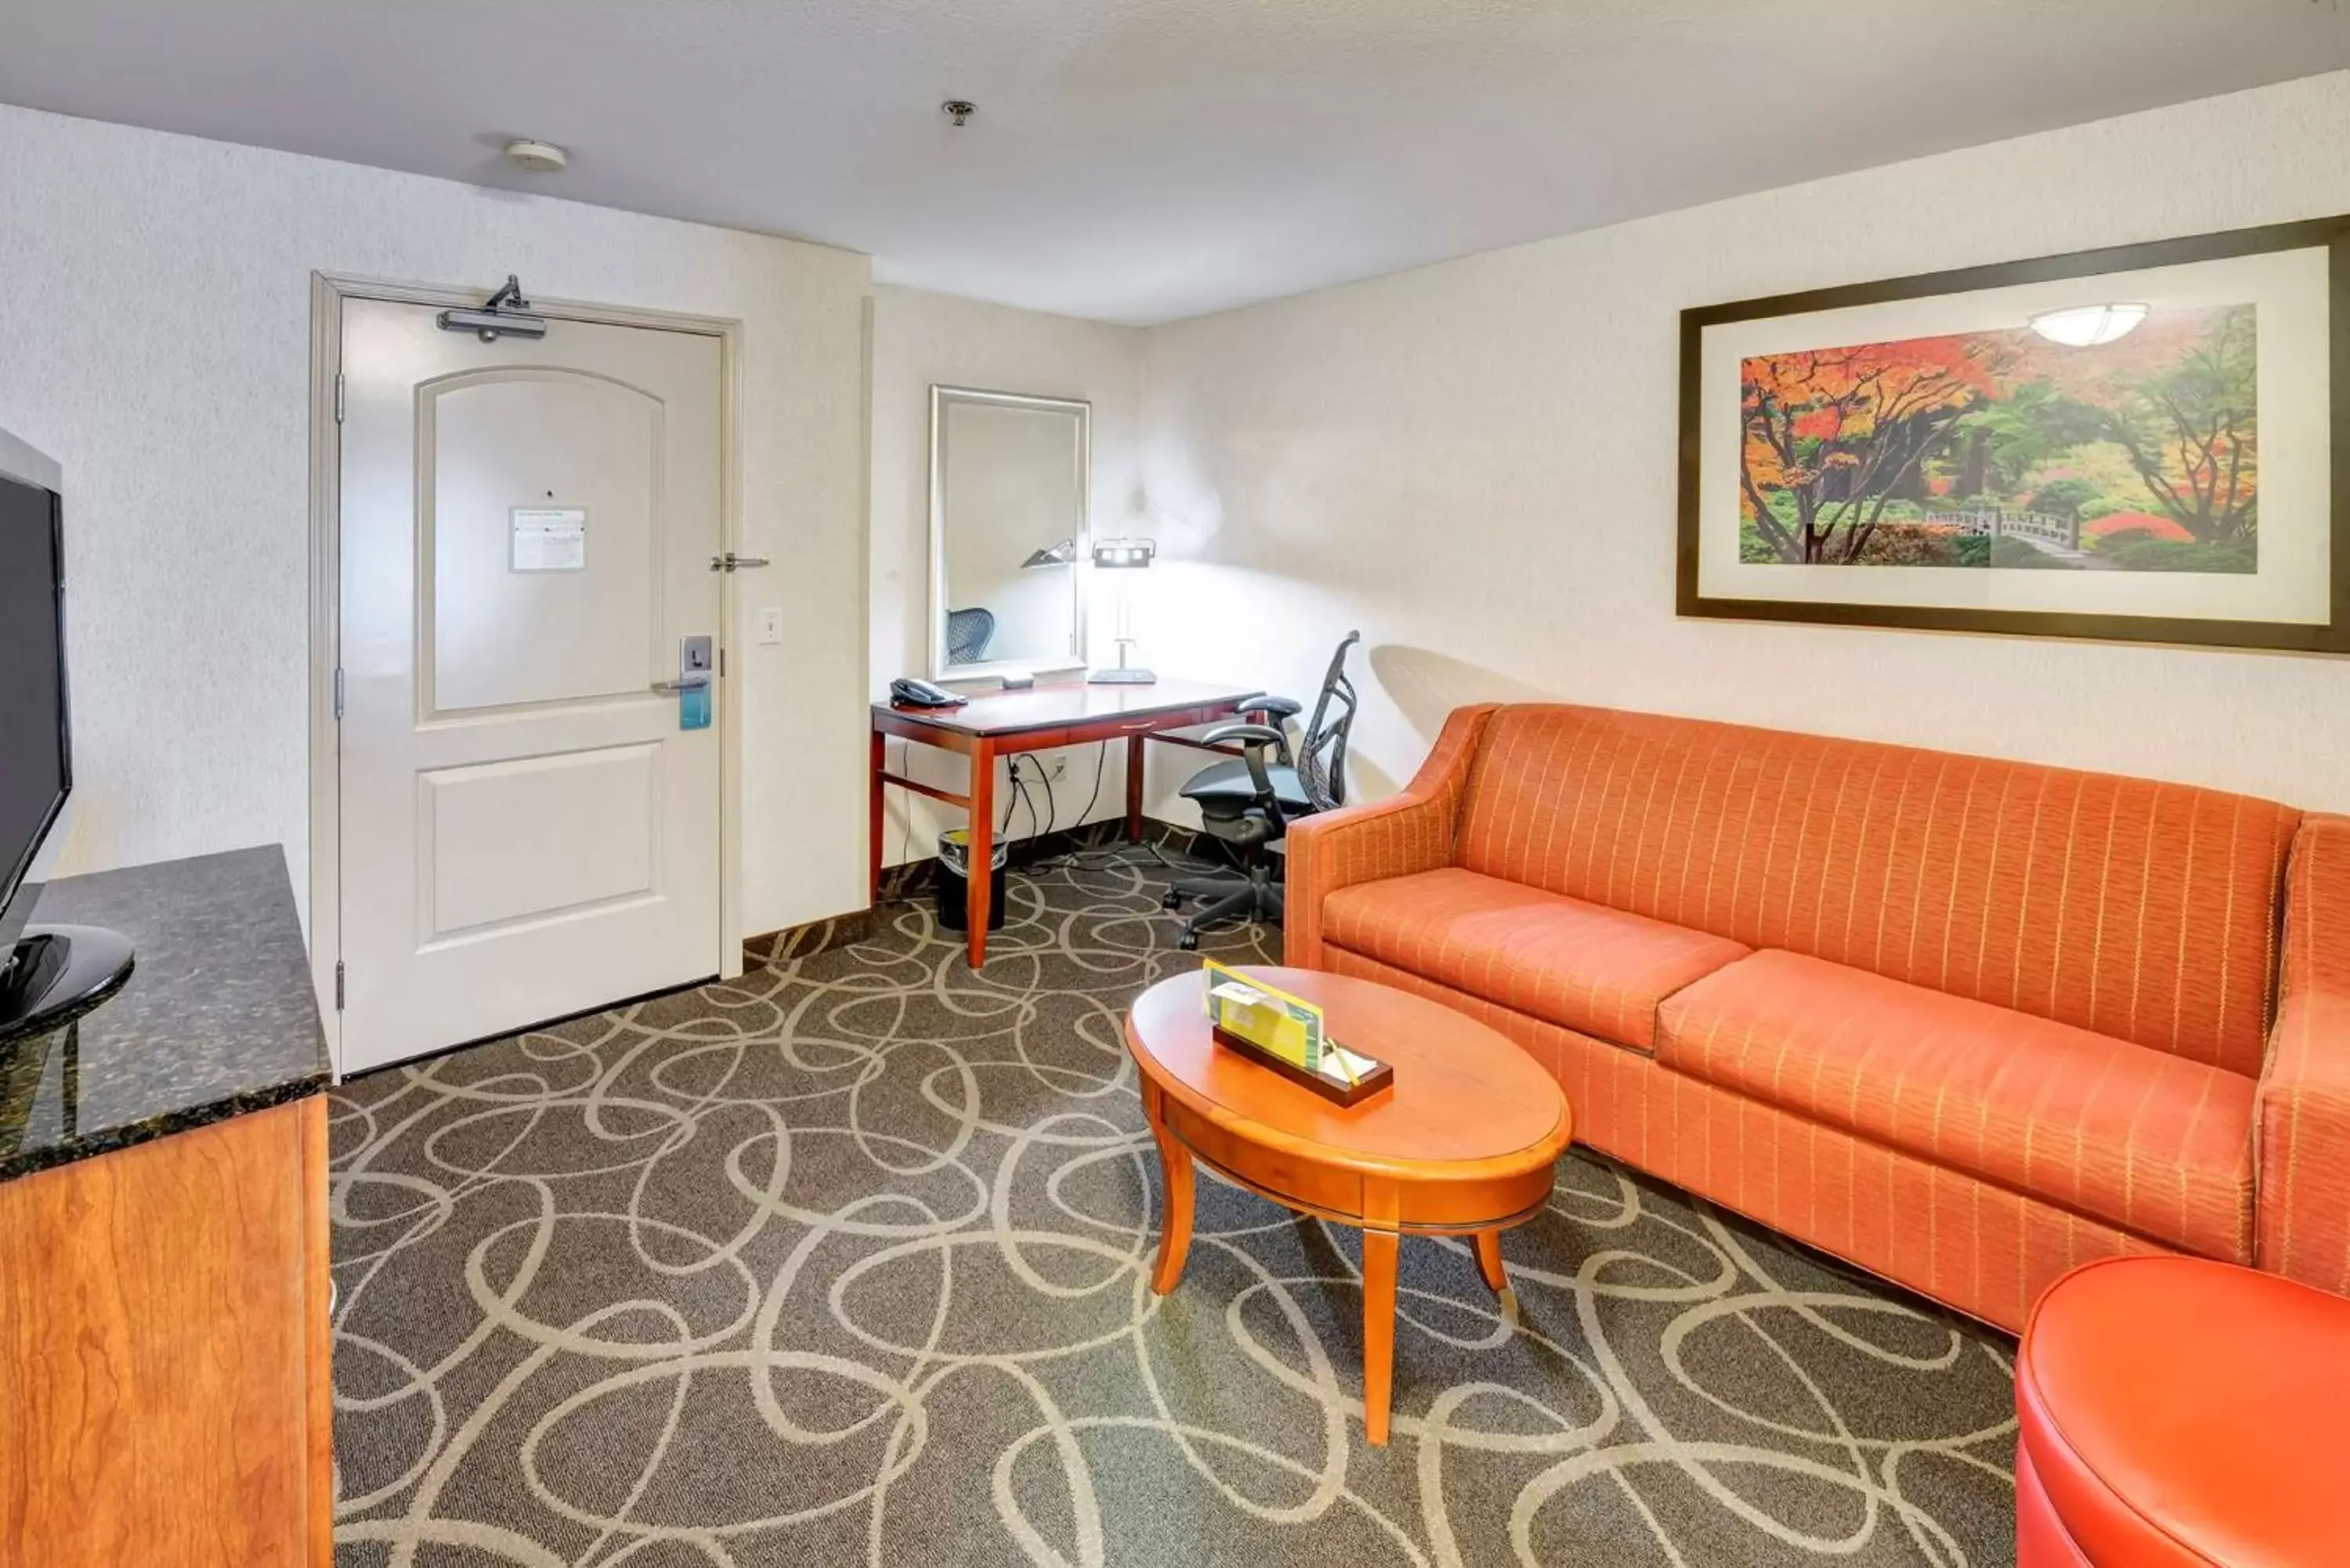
<point x="908" y="692"/>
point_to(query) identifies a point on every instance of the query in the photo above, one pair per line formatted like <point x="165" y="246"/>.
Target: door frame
<point x="329" y="291"/>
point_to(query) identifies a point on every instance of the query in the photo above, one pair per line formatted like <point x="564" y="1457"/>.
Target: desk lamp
<point x="1117" y="556"/>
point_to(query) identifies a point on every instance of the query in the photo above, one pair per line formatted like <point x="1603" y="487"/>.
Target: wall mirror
<point x="1010" y="483"/>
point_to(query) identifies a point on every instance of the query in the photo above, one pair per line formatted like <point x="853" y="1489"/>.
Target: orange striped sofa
<point x="1964" y="1023"/>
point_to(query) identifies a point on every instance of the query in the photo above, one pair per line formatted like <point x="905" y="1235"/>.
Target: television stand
<point x="57" y="974"/>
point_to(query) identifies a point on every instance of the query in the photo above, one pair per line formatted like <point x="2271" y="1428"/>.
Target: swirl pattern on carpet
<point x="848" y="1261"/>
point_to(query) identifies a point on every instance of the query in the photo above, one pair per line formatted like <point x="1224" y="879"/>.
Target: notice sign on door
<point x="549" y="539"/>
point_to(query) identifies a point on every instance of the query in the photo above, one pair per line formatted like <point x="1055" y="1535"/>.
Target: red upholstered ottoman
<point x="2183" y="1414"/>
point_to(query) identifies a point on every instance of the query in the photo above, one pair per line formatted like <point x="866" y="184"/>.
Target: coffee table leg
<point x="1175" y="1222"/>
<point x="1378" y="1330"/>
<point x="1489" y="1261"/>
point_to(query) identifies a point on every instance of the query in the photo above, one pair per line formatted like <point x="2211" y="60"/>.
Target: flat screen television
<point x="47" y="973"/>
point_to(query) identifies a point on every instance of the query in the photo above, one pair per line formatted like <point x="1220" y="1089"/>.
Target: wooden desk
<point x="1005" y="723"/>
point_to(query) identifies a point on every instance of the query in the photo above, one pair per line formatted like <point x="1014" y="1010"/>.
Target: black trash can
<point x="954" y="884"/>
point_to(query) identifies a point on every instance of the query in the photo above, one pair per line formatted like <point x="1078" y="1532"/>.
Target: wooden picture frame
<point x="1736" y="563"/>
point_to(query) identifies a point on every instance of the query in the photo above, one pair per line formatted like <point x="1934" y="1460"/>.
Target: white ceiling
<point x="1143" y="159"/>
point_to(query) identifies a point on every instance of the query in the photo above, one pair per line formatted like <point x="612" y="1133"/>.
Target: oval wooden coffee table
<point x="1465" y="1144"/>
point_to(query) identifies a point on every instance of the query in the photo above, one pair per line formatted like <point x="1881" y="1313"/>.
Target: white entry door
<point x="528" y="829"/>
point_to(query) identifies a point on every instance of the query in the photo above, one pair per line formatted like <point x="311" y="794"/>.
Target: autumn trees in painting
<point x="2110" y="486"/>
<point x="1841" y="433"/>
<point x="2001" y="449"/>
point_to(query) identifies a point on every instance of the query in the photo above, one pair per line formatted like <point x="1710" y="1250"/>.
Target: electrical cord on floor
<point x="1112" y="856"/>
<point x="1016" y="795"/>
<point x="1077" y="856"/>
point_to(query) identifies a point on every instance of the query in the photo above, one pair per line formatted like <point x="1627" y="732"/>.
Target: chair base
<point x="1251" y="899"/>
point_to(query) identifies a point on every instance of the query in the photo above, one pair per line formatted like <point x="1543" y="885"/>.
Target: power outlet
<point x="771" y="626"/>
<point x="1057" y="766"/>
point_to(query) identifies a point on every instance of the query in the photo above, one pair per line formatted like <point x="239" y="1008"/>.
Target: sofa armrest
<point x="2302" y="1134"/>
<point x="1393" y="837"/>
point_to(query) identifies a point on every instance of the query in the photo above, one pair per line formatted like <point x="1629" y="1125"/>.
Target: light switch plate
<point x="770" y="625"/>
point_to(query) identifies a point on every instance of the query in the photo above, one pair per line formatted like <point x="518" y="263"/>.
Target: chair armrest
<point x="1404" y="834"/>
<point x="1256" y="740"/>
<point x="2302" y="1128"/>
<point x="1251" y="736"/>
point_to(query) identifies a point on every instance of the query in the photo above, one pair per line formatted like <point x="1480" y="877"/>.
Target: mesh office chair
<point x="969" y="631"/>
<point x="1250" y="803"/>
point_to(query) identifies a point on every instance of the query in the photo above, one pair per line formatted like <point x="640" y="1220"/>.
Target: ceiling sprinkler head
<point x="958" y="110"/>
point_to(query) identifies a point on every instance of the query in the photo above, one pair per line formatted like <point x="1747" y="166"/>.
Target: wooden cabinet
<point x="163" y="1352"/>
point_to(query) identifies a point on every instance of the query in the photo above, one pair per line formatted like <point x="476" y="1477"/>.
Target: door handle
<point x="672" y="688"/>
<point x="731" y="562"/>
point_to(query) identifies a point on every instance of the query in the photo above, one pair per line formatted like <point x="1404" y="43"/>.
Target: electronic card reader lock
<point x="696" y="668"/>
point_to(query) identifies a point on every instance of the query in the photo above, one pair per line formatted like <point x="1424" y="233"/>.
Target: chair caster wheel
<point x="1188" y="942"/>
<point x="1171" y="901"/>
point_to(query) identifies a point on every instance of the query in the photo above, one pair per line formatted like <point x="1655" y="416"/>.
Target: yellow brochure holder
<point x="1288" y="1034"/>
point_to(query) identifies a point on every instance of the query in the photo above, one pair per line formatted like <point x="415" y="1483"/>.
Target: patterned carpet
<point x="847" y="1263"/>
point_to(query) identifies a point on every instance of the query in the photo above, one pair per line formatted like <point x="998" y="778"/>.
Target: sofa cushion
<point x="2150" y="1142"/>
<point x="2139" y="909"/>
<point x="1595" y="969"/>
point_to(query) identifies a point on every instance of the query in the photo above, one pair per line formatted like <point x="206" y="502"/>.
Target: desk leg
<point x="983" y="851"/>
<point x="1134" y="752"/>
<point x="877" y="816"/>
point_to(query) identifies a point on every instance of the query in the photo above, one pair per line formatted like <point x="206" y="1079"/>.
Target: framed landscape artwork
<point x="2150" y="443"/>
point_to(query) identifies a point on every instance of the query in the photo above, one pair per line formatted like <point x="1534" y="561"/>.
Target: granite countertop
<point x="218" y="1018"/>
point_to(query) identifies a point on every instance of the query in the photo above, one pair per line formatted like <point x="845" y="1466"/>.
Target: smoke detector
<point x="958" y="110"/>
<point x="539" y="157"/>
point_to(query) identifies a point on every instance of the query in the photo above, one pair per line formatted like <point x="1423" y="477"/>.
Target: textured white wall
<point x="922" y="339"/>
<point x="1475" y="463"/>
<point x="154" y="339"/>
